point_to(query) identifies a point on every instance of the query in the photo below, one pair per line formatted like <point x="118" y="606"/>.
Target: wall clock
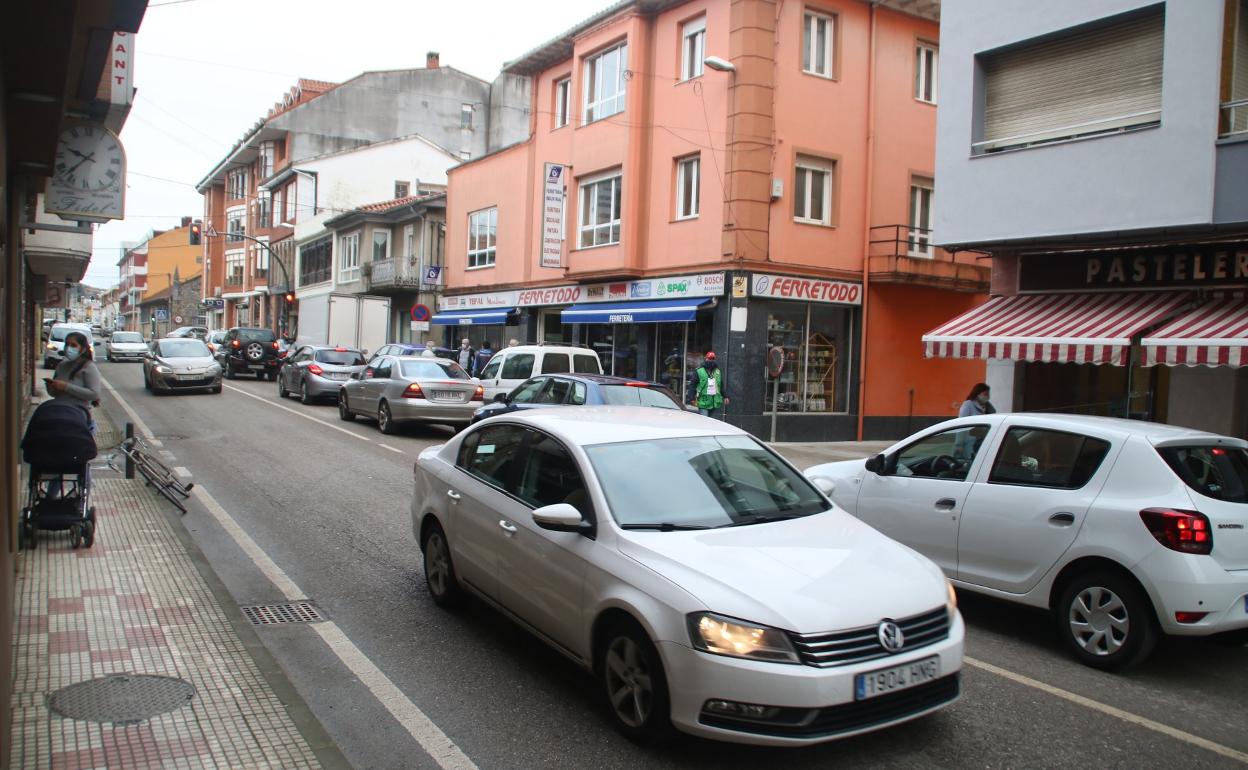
<point x="89" y="175"/>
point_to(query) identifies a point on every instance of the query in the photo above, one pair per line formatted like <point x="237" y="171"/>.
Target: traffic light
<point x="197" y="233"/>
<point x="290" y="298"/>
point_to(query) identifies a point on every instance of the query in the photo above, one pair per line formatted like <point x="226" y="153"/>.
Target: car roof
<point x="599" y="379"/>
<point x="617" y="424"/>
<point x="1115" y="426"/>
<point x="343" y="348"/>
<point x="427" y="358"/>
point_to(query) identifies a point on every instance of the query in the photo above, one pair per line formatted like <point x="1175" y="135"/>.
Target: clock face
<point x="88" y="159"/>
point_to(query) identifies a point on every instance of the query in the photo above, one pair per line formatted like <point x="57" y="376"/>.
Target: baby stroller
<point x="58" y="446"/>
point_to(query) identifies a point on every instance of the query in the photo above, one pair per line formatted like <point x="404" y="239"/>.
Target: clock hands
<point x="71" y="149"/>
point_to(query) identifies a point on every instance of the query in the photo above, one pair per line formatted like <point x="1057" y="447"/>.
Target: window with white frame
<point x="482" y="237"/>
<point x="605" y="75"/>
<point x="381" y="245"/>
<point x="235" y="225"/>
<point x="409" y="242"/>
<point x="812" y="190"/>
<point x="688" y="181"/>
<point x="921" y="190"/>
<point x="563" y="101"/>
<point x="465" y="154"/>
<point x="925" y="72"/>
<point x="818" y="35"/>
<point x="290" y="204"/>
<point x="349" y="257"/>
<point x="600" y="210"/>
<point x="692" y="48"/>
<point x="260" y="262"/>
<point x="401" y="189"/>
<point x="235" y="263"/>
<point x="236" y="184"/>
<point x="265" y="162"/>
<point x="264" y="209"/>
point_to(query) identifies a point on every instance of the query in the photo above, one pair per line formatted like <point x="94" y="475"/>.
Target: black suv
<point x="249" y="351"/>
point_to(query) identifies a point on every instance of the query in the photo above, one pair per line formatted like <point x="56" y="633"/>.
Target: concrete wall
<point x="1200" y="396"/>
<point x="508" y="117"/>
<point x="1230" y="193"/>
<point x="1150" y="178"/>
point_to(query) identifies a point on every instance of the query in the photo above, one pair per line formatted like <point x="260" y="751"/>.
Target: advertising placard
<point x="552" y="215"/>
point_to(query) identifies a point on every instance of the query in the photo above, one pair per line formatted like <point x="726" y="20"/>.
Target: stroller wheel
<point x="88" y="534"/>
<point x="31" y="538"/>
<point x="75" y="534"/>
<point x="91" y="515"/>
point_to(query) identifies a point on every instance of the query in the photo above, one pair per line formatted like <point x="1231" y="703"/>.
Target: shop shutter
<point x="1090" y="81"/>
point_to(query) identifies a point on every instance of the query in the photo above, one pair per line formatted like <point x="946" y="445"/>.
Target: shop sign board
<point x="670" y="287"/>
<point x="552" y="215"/>
<point x="1206" y="265"/>
<point x="806" y="289"/>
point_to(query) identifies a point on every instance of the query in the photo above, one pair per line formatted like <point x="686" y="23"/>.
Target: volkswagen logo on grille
<point x="890" y="636"/>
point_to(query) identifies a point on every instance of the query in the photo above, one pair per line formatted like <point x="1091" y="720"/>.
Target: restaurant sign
<point x="671" y="287"/>
<point x="1209" y="265"/>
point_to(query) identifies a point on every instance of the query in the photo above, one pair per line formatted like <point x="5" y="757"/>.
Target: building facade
<point x="178" y="304"/>
<point x="1098" y="151"/>
<point x="743" y="176"/>
<point x="132" y="269"/>
<point x="150" y="266"/>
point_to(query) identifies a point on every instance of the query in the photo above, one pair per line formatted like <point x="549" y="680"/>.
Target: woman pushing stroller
<point x="77" y="378"/>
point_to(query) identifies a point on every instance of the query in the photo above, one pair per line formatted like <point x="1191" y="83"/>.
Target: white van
<point x="511" y="366"/>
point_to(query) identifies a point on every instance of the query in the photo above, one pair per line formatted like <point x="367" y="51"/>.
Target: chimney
<point x="431" y="60"/>
<point x="186" y="221"/>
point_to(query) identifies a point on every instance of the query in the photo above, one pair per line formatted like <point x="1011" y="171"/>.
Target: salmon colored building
<point x="170" y="255"/>
<point x="745" y="176"/>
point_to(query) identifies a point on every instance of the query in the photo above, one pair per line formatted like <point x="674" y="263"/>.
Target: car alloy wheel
<point x="344" y="410"/>
<point x="304" y="398"/>
<point x="1106" y="620"/>
<point x="281" y="387"/>
<point x="440" y="571"/>
<point x="385" y="421"/>
<point x="634" y="684"/>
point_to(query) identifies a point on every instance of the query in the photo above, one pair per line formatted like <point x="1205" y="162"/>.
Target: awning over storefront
<point x="1214" y="334"/>
<point x="1062" y="328"/>
<point x="655" y="311"/>
<point x="473" y="317"/>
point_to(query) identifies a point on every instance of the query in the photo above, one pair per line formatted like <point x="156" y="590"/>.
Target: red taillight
<point x="478" y="394"/>
<point x="275" y="346"/>
<point x="413" y="391"/>
<point x="637" y="384"/>
<point x="340" y="350"/>
<point x="1217" y="451"/>
<point x="236" y="344"/>
<point x="1183" y="531"/>
<point x="318" y="371"/>
<point x="1189" y="617"/>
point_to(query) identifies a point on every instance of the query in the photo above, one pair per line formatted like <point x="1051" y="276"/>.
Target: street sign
<point x="739" y="286"/>
<point x="433" y="275"/>
<point x="420" y="326"/>
<point x="420" y="313"/>
<point x="177" y="319"/>
<point x="160" y="314"/>
<point x="214" y="302"/>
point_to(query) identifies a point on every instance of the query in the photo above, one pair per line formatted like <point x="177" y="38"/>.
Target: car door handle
<point x="946" y="504"/>
<point x="506" y="527"/>
<point x="1062" y="519"/>
<point x="454" y="495"/>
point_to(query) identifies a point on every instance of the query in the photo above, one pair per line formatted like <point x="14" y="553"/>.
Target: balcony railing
<point x="1234" y="118"/>
<point x="400" y="272"/>
<point x="905" y="255"/>
<point x="904" y="241"/>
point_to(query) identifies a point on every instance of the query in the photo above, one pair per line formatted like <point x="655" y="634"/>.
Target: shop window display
<point x="814" y="345"/>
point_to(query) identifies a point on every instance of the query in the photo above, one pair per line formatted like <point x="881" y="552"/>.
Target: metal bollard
<point x="129" y="462"/>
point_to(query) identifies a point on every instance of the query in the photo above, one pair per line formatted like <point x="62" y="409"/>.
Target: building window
<point x="688" y="181"/>
<point x="236" y="184"/>
<point x="265" y="163"/>
<point x="563" y="93"/>
<point x="465" y="155"/>
<point x="381" y="245"/>
<point x="260" y="259"/>
<point x="600" y="211"/>
<point x="693" y="48"/>
<point x="235" y="263"/>
<point x="482" y="237"/>
<point x="812" y="190"/>
<point x="290" y="204"/>
<point x="315" y="260"/>
<point x="1235" y="112"/>
<point x="818" y="31"/>
<point x="349" y="258"/>
<point x="920" y="244"/>
<point x="264" y="210"/>
<point x="925" y="72"/>
<point x="816" y="340"/>
<point x="605" y="75"/>
<point x="235" y="226"/>
<point x="465" y="116"/>
<point x="401" y="189"/>
<point x="1094" y="81"/>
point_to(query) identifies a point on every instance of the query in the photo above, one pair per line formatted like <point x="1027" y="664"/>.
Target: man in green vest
<point x="708" y="392"/>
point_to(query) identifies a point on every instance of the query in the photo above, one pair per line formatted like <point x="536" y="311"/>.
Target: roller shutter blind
<point x="1083" y="83"/>
<point x="1239" y="72"/>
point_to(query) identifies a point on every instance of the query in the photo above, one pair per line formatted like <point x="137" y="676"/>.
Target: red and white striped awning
<point x="1061" y="328"/>
<point x="1214" y="334"/>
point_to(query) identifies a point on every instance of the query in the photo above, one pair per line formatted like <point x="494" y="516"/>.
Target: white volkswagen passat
<point x="705" y="582"/>
<point x="1122" y="528"/>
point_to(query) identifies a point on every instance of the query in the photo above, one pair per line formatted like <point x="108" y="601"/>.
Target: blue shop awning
<point x="650" y="312"/>
<point x="496" y="315"/>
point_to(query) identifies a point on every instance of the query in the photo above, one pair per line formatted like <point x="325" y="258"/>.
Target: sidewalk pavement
<point x="805" y="455"/>
<point x="142" y="601"/>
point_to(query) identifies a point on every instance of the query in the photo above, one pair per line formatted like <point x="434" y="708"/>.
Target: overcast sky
<point x="206" y="70"/>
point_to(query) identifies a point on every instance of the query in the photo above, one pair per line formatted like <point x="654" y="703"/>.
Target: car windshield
<point x="434" y="370"/>
<point x="59" y="333"/>
<point x="340" y="357"/>
<point x="256" y="335"/>
<point x="1213" y="471"/>
<point x="127" y="337"/>
<point x="636" y="395"/>
<point x="700" y="482"/>
<point x="183" y="348"/>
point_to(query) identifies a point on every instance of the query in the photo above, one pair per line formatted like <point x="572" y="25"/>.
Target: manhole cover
<point x="121" y="698"/>
<point x="290" y="612"/>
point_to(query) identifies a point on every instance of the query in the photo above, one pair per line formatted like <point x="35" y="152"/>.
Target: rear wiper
<point x="665" y="526"/>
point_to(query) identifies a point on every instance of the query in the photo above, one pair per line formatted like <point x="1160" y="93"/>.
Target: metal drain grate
<point x="121" y="698"/>
<point x="290" y="612"/>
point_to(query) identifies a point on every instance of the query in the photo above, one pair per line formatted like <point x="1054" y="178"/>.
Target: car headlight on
<point x="162" y="369"/>
<point x="740" y="639"/>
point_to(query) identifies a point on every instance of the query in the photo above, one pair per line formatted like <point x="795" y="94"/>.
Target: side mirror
<point x="824" y="485"/>
<point x="877" y="464"/>
<point x="500" y="398"/>
<point x="559" y="517"/>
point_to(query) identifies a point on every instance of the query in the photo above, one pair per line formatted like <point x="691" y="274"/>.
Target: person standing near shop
<point x="77" y="378"/>
<point x="464" y="355"/>
<point x="977" y="402"/>
<point x="483" y="357"/>
<point x="708" y="388"/>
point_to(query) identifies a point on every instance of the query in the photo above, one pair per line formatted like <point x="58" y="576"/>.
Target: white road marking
<point x="182" y="471"/>
<point x="1126" y="716"/>
<point x="430" y="737"/>
<point x="141" y="426"/>
<point x="392" y="449"/>
<point x="298" y="413"/>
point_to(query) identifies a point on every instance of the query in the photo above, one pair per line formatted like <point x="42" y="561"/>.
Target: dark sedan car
<point x="580" y="390"/>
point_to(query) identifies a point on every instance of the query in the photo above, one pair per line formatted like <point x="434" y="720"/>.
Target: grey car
<point x="318" y="371"/>
<point x="398" y="389"/>
<point x="178" y="364"/>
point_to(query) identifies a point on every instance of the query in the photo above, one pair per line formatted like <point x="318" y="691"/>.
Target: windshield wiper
<point x="665" y="526"/>
<point x="766" y="519"/>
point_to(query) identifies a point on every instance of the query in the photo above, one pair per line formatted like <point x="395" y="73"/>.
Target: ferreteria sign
<point x="1208" y="265"/>
<point x="672" y="287"/>
<point x="806" y="289"/>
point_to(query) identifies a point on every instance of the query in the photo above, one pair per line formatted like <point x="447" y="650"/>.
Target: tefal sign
<point x="806" y="289"/>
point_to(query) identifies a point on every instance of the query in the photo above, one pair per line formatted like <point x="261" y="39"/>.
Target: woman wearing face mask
<point x="977" y="402"/>
<point x="77" y="378"/>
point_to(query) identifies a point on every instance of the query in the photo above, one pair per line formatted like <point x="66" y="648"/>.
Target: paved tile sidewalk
<point x="136" y="603"/>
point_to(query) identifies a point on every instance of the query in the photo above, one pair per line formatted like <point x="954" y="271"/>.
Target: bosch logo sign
<point x="891" y="637"/>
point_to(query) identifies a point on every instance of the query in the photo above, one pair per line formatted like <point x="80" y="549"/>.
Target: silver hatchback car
<point x="318" y="371"/>
<point x="398" y="389"/>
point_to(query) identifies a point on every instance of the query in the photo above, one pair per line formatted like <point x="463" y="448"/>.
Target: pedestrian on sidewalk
<point x="483" y="357"/>
<point x="513" y="343"/>
<point x="430" y="350"/>
<point x="977" y="402"/>
<point x="77" y="378"/>
<point x="465" y="355"/>
<point x="708" y="390"/>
